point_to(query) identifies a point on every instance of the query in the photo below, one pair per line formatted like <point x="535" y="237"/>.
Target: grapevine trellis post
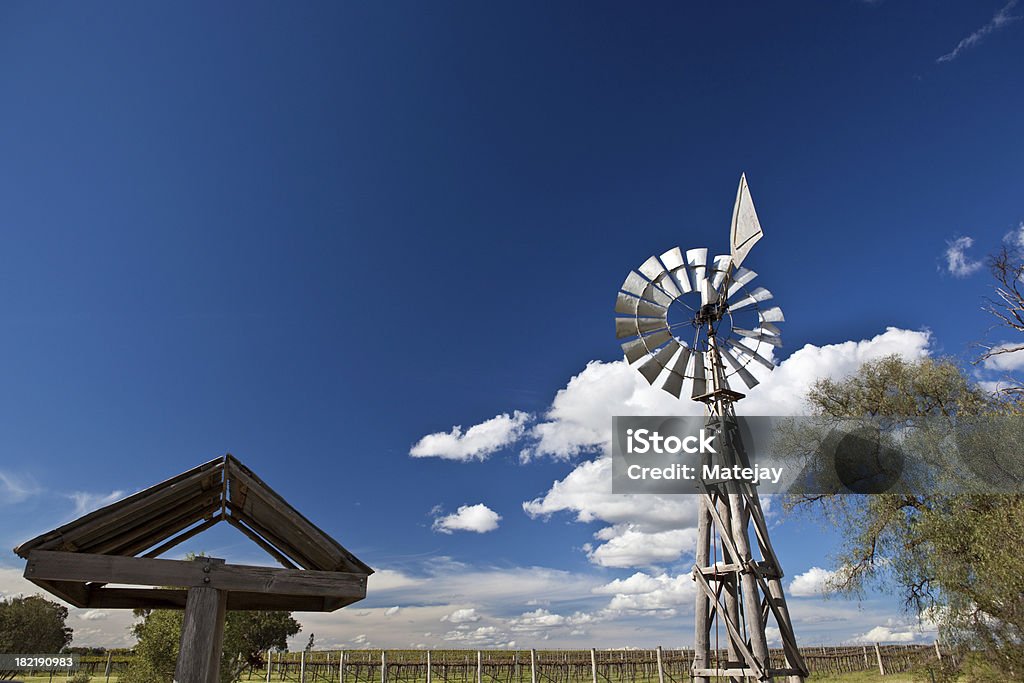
<point x="120" y="544"/>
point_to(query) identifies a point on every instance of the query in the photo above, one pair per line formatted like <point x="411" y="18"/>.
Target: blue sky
<point x="312" y="235"/>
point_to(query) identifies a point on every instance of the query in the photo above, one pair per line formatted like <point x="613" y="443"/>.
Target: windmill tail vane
<point x="692" y="323"/>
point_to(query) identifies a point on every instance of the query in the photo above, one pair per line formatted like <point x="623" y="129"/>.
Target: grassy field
<point x="863" y="677"/>
<point x="859" y="677"/>
<point x="551" y="666"/>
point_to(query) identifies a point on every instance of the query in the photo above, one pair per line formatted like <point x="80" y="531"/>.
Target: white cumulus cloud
<point x="478" y="518"/>
<point x="93" y="615"/>
<point x="629" y="545"/>
<point x="476" y="443"/>
<point x="888" y="634"/>
<point x="958" y="262"/>
<point x="811" y="583"/>
<point x="644" y="592"/>
<point x="1015" y="238"/>
<point x="652" y="530"/>
<point x="465" y="615"/>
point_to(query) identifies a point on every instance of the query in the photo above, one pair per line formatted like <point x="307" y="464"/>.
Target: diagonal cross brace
<point x="741" y="644"/>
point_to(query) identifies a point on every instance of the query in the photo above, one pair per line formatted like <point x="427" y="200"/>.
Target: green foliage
<point x="33" y="624"/>
<point x="894" y="387"/>
<point x="246" y="636"/>
<point x="156" y="653"/>
<point x="954" y="557"/>
<point x="80" y="677"/>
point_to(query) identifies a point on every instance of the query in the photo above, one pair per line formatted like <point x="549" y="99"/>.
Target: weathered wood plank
<point x="280" y="519"/>
<point x="155" y="510"/>
<point x="181" y="538"/>
<point x="331" y="604"/>
<point x="72" y="592"/>
<point x="297" y="522"/>
<point x="202" y="636"/>
<point x="169" y="527"/>
<point x="269" y="601"/>
<point x="169" y="598"/>
<point x="132" y="598"/>
<point x="261" y="542"/>
<point x="283" y="545"/>
<point x="103" y="518"/>
<point x="288" y="581"/>
<point x="60" y="566"/>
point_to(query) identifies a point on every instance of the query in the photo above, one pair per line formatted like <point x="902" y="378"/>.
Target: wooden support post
<point x="270" y="658"/>
<point x="533" y="666"/>
<point x="593" y="665"/>
<point x="866" y="662"/>
<point x="202" y="636"/>
<point x="383" y="667"/>
<point x="341" y="668"/>
<point x="702" y="610"/>
<point x="661" y="671"/>
<point x="106" y="670"/>
<point x="938" y="652"/>
<point x="732" y="609"/>
<point x="302" y="667"/>
<point x="479" y="667"/>
<point x="878" y="654"/>
<point x="428" y="666"/>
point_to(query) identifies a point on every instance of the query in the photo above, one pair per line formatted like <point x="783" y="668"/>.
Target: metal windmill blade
<point x="674" y="294"/>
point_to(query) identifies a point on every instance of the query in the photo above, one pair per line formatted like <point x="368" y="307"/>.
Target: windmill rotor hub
<point x="708" y="314"/>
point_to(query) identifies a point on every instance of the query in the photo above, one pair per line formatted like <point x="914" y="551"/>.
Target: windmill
<point x="699" y="324"/>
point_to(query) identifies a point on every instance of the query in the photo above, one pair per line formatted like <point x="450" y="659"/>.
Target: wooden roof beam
<point x="49" y="565"/>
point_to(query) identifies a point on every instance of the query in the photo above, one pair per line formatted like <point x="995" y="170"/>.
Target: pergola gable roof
<point x="152" y="521"/>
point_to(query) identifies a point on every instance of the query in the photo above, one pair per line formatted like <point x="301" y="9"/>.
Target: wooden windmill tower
<point x="698" y="323"/>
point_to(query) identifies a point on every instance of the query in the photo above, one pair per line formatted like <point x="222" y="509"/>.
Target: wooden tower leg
<point x="729" y="588"/>
<point x="202" y="636"/>
<point x="702" y="610"/>
<point x="748" y="582"/>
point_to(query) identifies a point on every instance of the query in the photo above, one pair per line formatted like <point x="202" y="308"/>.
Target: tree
<point x="951" y="555"/>
<point x="247" y="635"/>
<point x="1007" y="268"/>
<point x="156" y="653"/>
<point x="32" y="625"/>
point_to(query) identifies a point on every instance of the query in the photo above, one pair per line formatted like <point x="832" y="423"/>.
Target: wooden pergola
<point x="120" y="543"/>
